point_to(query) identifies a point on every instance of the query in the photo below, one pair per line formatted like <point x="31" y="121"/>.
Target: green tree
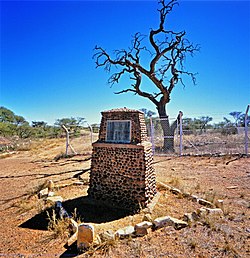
<point x="24" y="131"/>
<point x="6" y="115"/>
<point x="19" y="120"/>
<point x="72" y="124"/>
<point x="95" y="128"/>
<point x="239" y="118"/>
<point x="226" y="127"/>
<point x="194" y="124"/>
<point x="39" y="124"/>
<point x="7" y="129"/>
<point x="147" y="112"/>
<point x="12" y="124"/>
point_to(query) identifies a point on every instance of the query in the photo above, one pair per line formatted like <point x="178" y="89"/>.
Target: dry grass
<point x="29" y="203"/>
<point x="104" y="249"/>
<point x="24" y="205"/>
<point x="211" y="196"/>
<point x="37" y="188"/>
<point x="58" y="227"/>
<point x="203" y="176"/>
<point x="175" y="181"/>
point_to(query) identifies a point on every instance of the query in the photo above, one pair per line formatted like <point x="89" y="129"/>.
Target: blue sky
<point x="47" y="70"/>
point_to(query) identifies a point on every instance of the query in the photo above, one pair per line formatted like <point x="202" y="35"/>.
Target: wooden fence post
<point x="67" y="141"/>
<point x="67" y="138"/>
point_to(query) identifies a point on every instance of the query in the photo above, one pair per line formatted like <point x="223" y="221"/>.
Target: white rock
<point x="194" y="198"/>
<point x="73" y="225"/>
<point x="220" y="204"/>
<point x="78" y="183"/>
<point x="153" y="202"/>
<point x="125" y="232"/>
<point x="43" y="193"/>
<point x="162" y="222"/>
<point x="215" y="211"/>
<point x="188" y="217"/>
<point x="205" y="203"/>
<point x="232" y="187"/>
<point x="186" y="195"/>
<point x="107" y="235"/>
<point x="176" y="191"/>
<point x="164" y="185"/>
<point x="50" y="194"/>
<point x="169" y="221"/>
<point x="72" y="239"/>
<point x="202" y="212"/>
<point x="208" y="211"/>
<point x="142" y="228"/>
<point x="178" y="224"/>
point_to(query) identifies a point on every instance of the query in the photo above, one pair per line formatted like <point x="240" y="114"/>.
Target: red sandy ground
<point x="226" y="178"/>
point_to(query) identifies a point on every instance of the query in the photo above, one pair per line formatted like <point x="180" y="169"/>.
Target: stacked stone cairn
<point x="122" y="174"/>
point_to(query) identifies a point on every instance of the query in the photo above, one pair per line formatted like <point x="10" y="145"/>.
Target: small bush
<point x="104" y="248"/>
<point x="175" y="181"/>
<point x="24" y="205"/>
<point x="211" y="196"/>
<point x="59" y="227"/>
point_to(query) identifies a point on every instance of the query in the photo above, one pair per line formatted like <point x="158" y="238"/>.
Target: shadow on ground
<point x="87" y="210"/>
<point x="71" y="251"/>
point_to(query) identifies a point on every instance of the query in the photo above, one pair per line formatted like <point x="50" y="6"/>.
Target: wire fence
<point x="174" y="139"/>
<point x="164" y="139"/>
<point x="214" y="141"/>
<point x="203" y="141"/>
<point x="169" y="136"/>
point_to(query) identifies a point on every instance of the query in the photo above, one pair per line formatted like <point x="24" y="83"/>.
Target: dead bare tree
<point x="166" y="51"/>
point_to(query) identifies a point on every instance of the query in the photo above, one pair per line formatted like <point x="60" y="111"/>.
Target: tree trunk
<point x="168" y="130"/>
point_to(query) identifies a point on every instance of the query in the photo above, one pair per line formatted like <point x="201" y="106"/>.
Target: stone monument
<point x="122" y="173"/>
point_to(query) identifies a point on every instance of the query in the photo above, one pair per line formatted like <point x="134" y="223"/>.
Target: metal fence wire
<point x="202" y="141"/>
<point x="164" y="136"/>
<point x="214" y="141"/>
<point x="170" y="137"/>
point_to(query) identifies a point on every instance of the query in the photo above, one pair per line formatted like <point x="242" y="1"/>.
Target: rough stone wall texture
<point x="138" y="126"/>
<point x="122" y="175"/>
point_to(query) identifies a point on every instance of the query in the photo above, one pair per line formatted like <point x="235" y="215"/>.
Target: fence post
<point x="91" y="132"/>
<point x="152" y="134"/>
<point x="246" y="131"/>
<point x="181" y="114"/>
<point x="67" y="141"/>
<point x="67" y="138"/>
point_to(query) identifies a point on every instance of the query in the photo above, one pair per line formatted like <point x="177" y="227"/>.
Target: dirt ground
<point x="24" y="233"/>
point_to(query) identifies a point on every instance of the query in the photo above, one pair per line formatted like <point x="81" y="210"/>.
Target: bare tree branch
<point x="166" y="51"/>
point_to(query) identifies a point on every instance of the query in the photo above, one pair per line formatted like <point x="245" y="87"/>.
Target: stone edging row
<point x="85" y="236"/>
<point x="142" y="228"/>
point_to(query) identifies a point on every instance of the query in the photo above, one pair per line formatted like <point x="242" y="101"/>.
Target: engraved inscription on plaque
<point x="118" y="131"/>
